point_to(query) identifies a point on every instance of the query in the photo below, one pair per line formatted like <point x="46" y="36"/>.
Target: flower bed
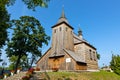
<point x="37" y="69"/>
<point x="55" y="69"/>
<point x="28" y="74"/>
<point x="25" y="78"/>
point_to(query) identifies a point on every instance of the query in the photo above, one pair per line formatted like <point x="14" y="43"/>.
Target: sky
<point x="98" y="19"/>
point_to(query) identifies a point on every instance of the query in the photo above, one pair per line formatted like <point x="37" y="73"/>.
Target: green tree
<point x="12" y="60"/>
<point x="5" y="16"/>
<point x="31" y="4"/>
<point x="4" y="19"/>
<point x="28" y="38"/>
<point x="115" y="64"/>
<point x="24" y="64"/>
<point x="98" y="56"/>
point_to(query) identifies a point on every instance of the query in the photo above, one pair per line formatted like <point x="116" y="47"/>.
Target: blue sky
<point x="98" y="19"/>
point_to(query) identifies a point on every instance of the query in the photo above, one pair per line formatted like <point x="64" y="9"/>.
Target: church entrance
<point x="56" y="62"/>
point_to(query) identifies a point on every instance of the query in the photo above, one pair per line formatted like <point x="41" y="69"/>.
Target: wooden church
<point x="68" y="51"/>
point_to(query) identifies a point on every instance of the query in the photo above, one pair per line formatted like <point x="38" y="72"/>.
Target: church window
<point x="55" y="31"/>
<point x="90" y="52"/>
<point x="60" y="28"/>
<point x="66" y="28"/>
<point x="94" y="55"/>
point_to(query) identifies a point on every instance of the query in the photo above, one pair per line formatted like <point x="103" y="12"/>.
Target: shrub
<point x="25" y="78"/>
<point x="31" y="70"/>
<point x="37" y="69"/>
<point x="12" y="71"/>
<point x="29" y="74"/>
<point x="55" y="69"/>
<point x="1" y="76"/>
<point x="115" y="64"/>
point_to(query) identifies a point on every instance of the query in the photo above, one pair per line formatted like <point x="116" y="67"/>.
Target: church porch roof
<point x="75" y="56"/>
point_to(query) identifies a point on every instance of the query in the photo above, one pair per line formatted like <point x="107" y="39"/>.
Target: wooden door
<point x="56" y="63"/>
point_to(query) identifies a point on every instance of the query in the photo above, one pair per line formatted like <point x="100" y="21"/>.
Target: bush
<point x="31" y="70"/>
<point x="28" y="74"/>
<point x="115" y="64"/>
<point x="1" y="76"/>
<point x="55" y="69"/>
<point x="25" y="78"/>
<point x="37" y="69"/>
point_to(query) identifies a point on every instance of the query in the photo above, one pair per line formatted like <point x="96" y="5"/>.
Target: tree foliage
<point x="115" y="64"/>
<point x="32" y="4"/>
<point x="98" y="56"/>
<point x="28" y="38"/>
<point x="24" y="64"/>
<point x="4" y="18"/>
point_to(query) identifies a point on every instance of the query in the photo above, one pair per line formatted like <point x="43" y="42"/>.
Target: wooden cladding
<point x="56" y="62"/>
<point x="81" y="66"/>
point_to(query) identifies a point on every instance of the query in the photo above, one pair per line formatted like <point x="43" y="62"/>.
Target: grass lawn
<point x="102" y="75"/>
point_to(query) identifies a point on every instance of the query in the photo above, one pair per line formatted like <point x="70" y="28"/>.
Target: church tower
<point x="62" y="37"/>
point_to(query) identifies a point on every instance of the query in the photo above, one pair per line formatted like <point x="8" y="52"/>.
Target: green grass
<point x="102" y="75"/>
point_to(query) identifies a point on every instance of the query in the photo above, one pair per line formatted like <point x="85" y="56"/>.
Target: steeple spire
<point x="63" y="14"/>
<point x="62" y="17"/>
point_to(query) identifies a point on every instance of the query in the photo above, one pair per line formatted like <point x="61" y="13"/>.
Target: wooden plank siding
<point x="81" y="66"/>
<point x="57" y="62"/>
<point x="43" y="61"/>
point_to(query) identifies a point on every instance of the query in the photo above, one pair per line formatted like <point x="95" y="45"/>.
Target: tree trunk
<point x="32" y="61"/>
<point x="17" y="63"/>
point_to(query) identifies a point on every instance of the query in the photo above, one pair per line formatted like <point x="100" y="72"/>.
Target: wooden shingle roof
<point x="75" y="56"/>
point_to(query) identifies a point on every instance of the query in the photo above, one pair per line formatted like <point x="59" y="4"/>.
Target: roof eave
<point x="42" y="56"/>
<point x="86" y="44"/>
<point x="62" y="23"/>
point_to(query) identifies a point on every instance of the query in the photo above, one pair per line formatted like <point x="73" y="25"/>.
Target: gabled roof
<point x="62" y="23"/>
<point x="56" y="55"/>
<point x="78" y="40"/>
<point x="75" y="56"/>
<point x="43" y="55"/>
